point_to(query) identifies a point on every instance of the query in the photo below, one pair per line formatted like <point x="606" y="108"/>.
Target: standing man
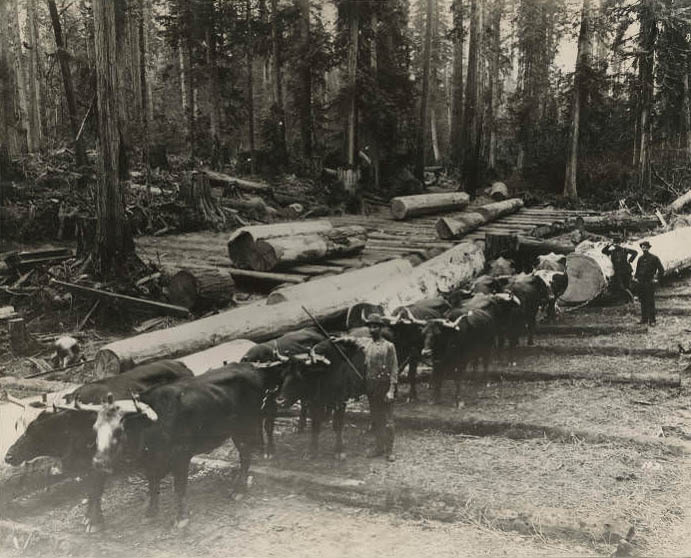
<point x="381" y="377"/>
<point x="622" y="258"/>
<point x="648" y="267"/>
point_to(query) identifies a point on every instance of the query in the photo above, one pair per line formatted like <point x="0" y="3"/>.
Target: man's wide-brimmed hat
<point x="645" y="244"/>
<point x="375" y="319"/>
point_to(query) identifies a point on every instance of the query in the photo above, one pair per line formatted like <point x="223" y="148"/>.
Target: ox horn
<point x="278" y="354"/>
<point x="413" y="318"/>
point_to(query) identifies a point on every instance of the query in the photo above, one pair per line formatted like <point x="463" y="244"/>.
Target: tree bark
<point x="22" y="86"/>
<point x="353" y="45"/>
<point x="200" y="289"/>
<point x="67" y="82"/>
<point x="144" y="83"/>
<point x="425" y="101"/>
<point x="456" y="227"/>
<point x="583" y="60"/>
<point x="411" y="206"/>
<point x="494" y="82"/>
<point x="214" y="87"/>
<point x="186" y="82"/>
<point x="305" y="69"/>
<point x="114" y="242"/>
<point x="472" y="128"/>
<point x="34" y="75"/>
<point x="250" y="85"/>
<point x="353" y="280"/>
<point x="270" y="253"/>
<point x="456" y="142"/>
<point x="122" y="54"/>
<point x="646" y="74"/>
<point x="8" y="124"/>
<point x="278" y="82"/>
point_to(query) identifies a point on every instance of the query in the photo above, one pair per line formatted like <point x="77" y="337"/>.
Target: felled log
<point x="242" y="241"/>
<point x="270" y="253"/>
<point x="590" y="271"/>
<point x="217" y="356"/>
<point x="198" y="289"/>
<point x="452" y="228"/>
<point x="680" y="203"/>
<point x="242" y="184"/>
<point x="410" y="206"/>
<point x="499" y="191"/>
<point x="354" y="280"/>
<point x="248" y="275"/>
<point x="618" y="222"/>
<point x="535" y="247"/>
<point x="259" y="322"/>
<point x="24" y="261"/>
<point x="130" y="301"/>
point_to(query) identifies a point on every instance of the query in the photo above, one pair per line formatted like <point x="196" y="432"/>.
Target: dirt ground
<point x="548" y="468"/>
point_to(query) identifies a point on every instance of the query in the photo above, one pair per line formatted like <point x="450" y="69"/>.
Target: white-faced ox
<point x="463" y="336"/>
<point x="326" y="381"/>
<point x="172" y="423"/>
<point x="67" y="431"/>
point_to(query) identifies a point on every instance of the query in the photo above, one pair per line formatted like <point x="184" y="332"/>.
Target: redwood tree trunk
<point x="278" y="82"/>
<point x="579" y="92"/>
<point x="456" y="133"/>
<point x="114" y="242"/>
<point x="424" y="102"/>
<point x="67" y="82"/>
<point x="352" y="81"/>
<point x="305" y="98"/>
<point x="646" y="72"/>
<point x="472" y="129"/>
<point x="250" y="84"/>
<point x="8" y="136"/>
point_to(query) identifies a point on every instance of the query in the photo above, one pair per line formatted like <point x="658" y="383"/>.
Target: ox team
<point x="155" y="417"/>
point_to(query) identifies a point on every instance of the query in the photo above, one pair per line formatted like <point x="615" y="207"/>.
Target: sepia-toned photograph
<point x="345" y="278"/>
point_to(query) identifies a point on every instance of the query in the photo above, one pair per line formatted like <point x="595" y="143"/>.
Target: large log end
<point x="445" y="228"/>
<point x="586" y="280"/>
<point x="109" y="364"/>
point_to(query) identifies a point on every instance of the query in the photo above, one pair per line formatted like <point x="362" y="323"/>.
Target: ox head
<point x="439" y="333"/>
<point x="298" y="379"/>
<point x="455" y="296"/>
<point x="55" y="432"/>
<point x="109" y="426"/>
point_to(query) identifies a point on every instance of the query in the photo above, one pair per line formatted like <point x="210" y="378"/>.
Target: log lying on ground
<point x="270" y="253"/>
<point x="451" y="228"/>
<point x="259" y="322"/>
<point x="618" y="222"/>
<point x="590" y="271"/>
<point x="354" y="280"/>
<point x="248" y="185"/>
<point x="242" y="241"/>
<point x="217" y="356"/>
<point x="200" y="289"/>
<point x="499" y="191"/>
<point x="680" y="203"/>
<point x="410" y="206"/>
<point x="534" y="247"/>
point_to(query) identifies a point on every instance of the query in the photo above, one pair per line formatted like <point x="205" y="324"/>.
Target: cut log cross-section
<point x="259" y="322"/>
<point x="590" y="271"/>
<point x="270" y="253"/>
<point x="423" y="204"/>
<point x="241" y="242"/>
<point x="200" y="289"/>
<point x="453" y="228"/>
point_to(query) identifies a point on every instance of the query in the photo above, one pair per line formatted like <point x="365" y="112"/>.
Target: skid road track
<point x="586" y="439"/>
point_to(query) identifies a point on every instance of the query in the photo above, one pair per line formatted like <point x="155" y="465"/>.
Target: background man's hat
<point x="375" y="319"/>
<point x="644" y="244"/>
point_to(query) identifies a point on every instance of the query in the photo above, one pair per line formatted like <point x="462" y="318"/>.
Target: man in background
<point x="648" y="270"/>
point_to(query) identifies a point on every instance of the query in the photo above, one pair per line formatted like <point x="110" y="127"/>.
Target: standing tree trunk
<point x="114" y="242"/>
<point x="583" y="60"/>
<point x="143" y="81"/>
<point x="456" y="131"/>
<point x="374" y="143"/>
<point x="8" y="125"/>
<point x="34" y="104"/>
<point x="305" y="98"/>
<point x="22" y="85"/>
<point x="67" y="82"/>
<point x="250" y="85"/>
<point x="214" y="88"/>
<point x="186" y="83"/>
<point x="352" y="82"/>
<point x="646" y="73"/>
<point x="121" y="56"/>
<point x="494" y="83"/>
<point x="279" y="111"/>
<point x="472" y="129"/>
<point x="424" y="102"/>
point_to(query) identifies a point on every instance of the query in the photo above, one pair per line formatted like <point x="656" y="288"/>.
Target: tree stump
<point x="500" y="244"/>
<point x="196" y="193"/>
<point x="21" y="341"/>
<point x="200" y="289"/>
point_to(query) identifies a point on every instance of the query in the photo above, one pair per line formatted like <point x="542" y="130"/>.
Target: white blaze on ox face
<point x="108" y="428"/>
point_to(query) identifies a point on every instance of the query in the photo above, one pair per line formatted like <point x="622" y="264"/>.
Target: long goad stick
<point x="335" y="346"/>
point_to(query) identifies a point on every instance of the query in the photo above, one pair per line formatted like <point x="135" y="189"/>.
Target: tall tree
<point x="353" y="47"/>
<point x="35" y="104"/>
<point x="424" y="102"/>
<point x="304" y="97"/>
<point x="114" y="242"/>
<point x="26" y="123"/>
<point x="214" y="85"/>
<point x="278" y="107"/>
<point x="495" y="81"/>
<point x="144" y="84"/>
<point x="250" y="83"/>
<point x="646" y="76"/>
<point x="583" y="61"/>
<point x="472" y="128"/>
<point x="63" y="59"/>
<point x="456" y="132"/>
<point x="8" y="124"/>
